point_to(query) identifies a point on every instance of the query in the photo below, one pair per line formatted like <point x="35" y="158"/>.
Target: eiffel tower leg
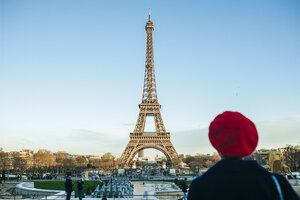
<point x="160" y="127"/>
<point x="171" y="151"/>
<point x="126" y="153"/>
<point x="140" y="123"/>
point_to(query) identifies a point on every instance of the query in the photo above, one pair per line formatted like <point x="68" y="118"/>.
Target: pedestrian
<point x="235" y="137"/>
<point x="184" y="188"/>
<point x="68" y="172"/>
<point x="3" y="176"/>
<point x="80" y="188"/>
<point x="68" y="187"/>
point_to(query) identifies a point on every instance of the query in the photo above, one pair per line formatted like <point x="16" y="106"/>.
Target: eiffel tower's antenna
<point x="149" y="90"/>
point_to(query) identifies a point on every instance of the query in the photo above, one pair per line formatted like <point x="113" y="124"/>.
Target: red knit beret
<point x="233" y="135"/>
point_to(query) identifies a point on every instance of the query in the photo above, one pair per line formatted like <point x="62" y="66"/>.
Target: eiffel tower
<point x="139" y="139"/>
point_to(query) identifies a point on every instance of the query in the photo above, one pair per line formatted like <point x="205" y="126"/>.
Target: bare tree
<point x="19" y="164"/>
<point x="60" y="156"/>
<point x="44" y="159"/>
<point x="81" y="161"/>
<point x="107" y="160"/>
<point x="69" y="163"/>
<point x="291" y="157"/>
<point x="4" y="163"/>
<point x="4" y="160"/>
<point x="201" y="160"/>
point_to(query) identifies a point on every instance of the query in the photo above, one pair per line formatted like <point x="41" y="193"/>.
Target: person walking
<point x="68" y="187"/>
<point x="3" y="176"/>
<point x="235" y="137"/>
<point x="80" y="188"/>
<point x="184" y="188"/>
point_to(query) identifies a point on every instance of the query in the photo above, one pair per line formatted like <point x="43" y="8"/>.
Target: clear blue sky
<point x="71" y="72"/>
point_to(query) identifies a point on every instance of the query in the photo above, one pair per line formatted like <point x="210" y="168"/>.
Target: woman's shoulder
<point x="286" y="187"/>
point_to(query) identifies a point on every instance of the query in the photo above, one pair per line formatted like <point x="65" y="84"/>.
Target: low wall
<point x="27" y="189"/>
<point x="170" y="194"/>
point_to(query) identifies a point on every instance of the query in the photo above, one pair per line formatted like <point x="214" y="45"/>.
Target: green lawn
<point x="60" y="185"/>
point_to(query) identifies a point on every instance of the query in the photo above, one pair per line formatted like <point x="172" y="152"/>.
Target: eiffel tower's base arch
<point x="131" y="151"/>
<point x="143" y="147"/>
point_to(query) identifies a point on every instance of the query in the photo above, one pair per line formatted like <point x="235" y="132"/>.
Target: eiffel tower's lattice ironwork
<point x="139" y="139"/>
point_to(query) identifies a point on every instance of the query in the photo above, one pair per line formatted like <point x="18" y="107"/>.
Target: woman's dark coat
<point x="69" y="186"/>
<point x="239" y="180"/>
